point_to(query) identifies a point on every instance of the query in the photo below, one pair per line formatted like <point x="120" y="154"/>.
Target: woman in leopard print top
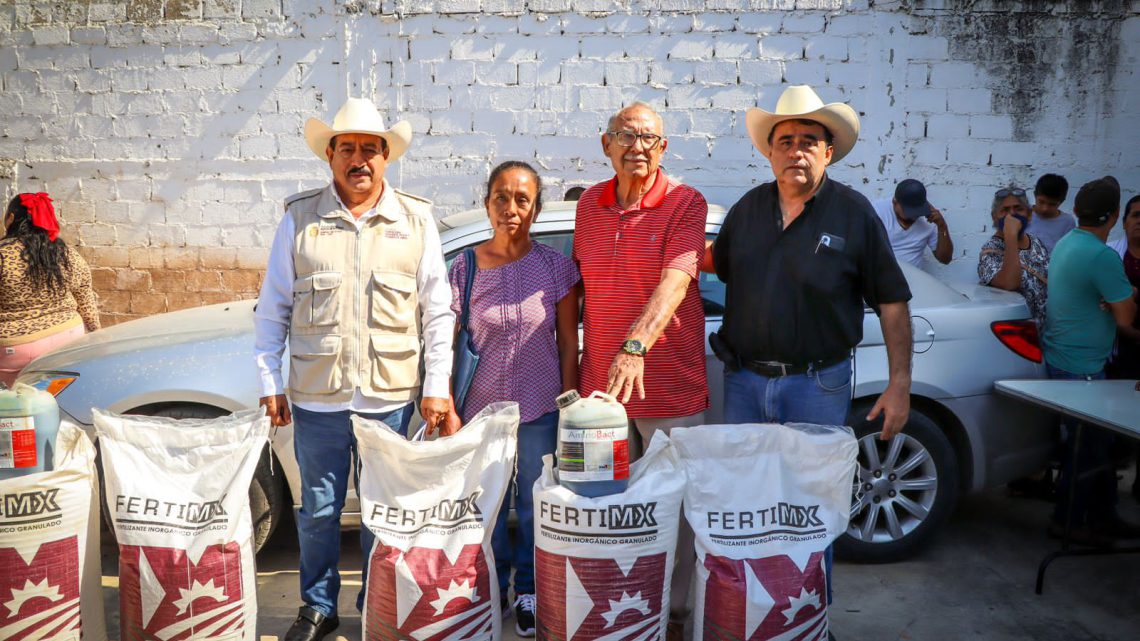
<point x="46" y="298"/>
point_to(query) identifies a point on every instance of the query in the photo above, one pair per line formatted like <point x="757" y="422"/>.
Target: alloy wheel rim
<point x="895" y="491"/>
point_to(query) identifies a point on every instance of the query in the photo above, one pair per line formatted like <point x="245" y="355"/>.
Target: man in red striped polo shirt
<point x="638" y="242"/>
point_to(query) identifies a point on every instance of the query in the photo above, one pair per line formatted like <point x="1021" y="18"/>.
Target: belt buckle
<point x="783" y="366"/>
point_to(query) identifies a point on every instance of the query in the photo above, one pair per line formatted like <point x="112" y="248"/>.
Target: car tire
<point x="267" y="496"/>
<point x="904" y="495"/>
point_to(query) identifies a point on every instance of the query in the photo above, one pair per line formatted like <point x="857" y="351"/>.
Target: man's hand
<point x="277" y="409"/>
<point x="627" y="373"/>
<point x="434" y="410"/>
<point x="894" y="405"/>
<point x="936" y="218"/>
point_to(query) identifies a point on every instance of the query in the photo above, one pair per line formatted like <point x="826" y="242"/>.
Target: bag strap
<point x="469" y="264"/>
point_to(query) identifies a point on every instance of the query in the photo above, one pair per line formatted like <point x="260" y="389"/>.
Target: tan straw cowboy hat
<point x="800" y="102"/>
<point x="358" y="116"/>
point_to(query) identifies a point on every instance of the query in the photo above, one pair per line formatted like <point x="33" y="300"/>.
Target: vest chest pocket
<point x="395" y="361"/>
<point x="313" y="364"/>
<point x="394" y="301"/>
<point x="315" y="299"/>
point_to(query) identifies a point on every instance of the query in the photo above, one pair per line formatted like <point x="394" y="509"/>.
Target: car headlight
<point x="51" y="382"/>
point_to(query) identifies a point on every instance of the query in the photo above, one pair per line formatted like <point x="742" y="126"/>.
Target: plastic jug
<point x="593" y="444"/>
<point x="29" y="422"/>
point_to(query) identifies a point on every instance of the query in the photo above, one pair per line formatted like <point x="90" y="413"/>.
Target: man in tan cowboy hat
<point x="800" y="256"/>
<point x="356" y="283"/>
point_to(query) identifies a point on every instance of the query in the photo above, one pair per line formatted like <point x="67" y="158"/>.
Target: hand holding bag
<point x="466" y="358"/>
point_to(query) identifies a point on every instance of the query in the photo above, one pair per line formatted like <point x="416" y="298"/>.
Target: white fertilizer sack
<point x="764" y="502"/>
<point x="432" y="506"/>
<point x="178" y="492"/>
<point x="50" y="585"/>
<point x="603" y="565"/>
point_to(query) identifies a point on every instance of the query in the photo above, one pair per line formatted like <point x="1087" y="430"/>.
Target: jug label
<point x="594" y="454"/>
<point x="17" y="442"/>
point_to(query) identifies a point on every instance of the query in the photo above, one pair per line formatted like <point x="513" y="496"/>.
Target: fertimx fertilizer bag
<point x="50" y="583"/>
<point x="432" y="506"/>
<point x="178" y="493"/>
<point x="603" y="565"/>
<point x="764" y="502"/>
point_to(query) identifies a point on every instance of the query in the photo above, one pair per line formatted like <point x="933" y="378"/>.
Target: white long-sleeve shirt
<point x="275" y="307"/>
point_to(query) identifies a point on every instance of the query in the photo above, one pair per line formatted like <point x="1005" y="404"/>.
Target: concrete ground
<point x="974" y="582"/>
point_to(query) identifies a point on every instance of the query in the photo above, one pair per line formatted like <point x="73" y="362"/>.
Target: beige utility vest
<point x="356" y="320"/>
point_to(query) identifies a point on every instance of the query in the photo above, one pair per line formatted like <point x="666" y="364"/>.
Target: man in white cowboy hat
<point x="800" y="256"/>
<point x="355" y="284"/>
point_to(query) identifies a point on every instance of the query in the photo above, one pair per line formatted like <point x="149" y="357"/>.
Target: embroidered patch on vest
<point x="396" y="233"/>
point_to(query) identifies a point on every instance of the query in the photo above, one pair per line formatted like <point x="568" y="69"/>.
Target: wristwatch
<point x="634" y="347"/>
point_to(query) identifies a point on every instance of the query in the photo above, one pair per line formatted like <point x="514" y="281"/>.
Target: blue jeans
<point x="325" y="448"/>
<point x="536" y="439"/>
<point x="1094" y="498"/>
<point x="822" y="397"/>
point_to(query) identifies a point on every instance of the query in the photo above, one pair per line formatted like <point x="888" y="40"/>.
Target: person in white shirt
<point x="913" y="224"/>
<point x="356" y="282"/>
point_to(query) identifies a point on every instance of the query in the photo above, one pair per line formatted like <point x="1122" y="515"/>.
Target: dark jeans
<point x="822" y="397"/>
<point x="325" y="447"/>
<point x="535" y="440"/>
<point x="1094" y="498"/>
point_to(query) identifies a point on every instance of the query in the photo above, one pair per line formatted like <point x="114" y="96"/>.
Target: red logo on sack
<point x="40" y="598"/>
<point x="422" y="594"/>
<point x="584" y="599"/>
<point x="164" y="595"/>
<point x="768" y="598"/>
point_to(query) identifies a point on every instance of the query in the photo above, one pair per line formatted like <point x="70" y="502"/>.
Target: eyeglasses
<point x="628" y="138"/>
<point x="1005" y="192"/>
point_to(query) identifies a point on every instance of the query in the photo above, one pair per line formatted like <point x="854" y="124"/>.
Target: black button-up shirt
<point x="796" y="295"/>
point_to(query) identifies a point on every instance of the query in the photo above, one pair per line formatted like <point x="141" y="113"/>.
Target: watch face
<point x="633" y="347"/>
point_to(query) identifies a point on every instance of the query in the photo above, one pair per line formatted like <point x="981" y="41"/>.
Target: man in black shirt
<point x="799" y="257"/>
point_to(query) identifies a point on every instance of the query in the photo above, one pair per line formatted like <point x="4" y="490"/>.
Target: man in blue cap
<point x="913" y="224"/>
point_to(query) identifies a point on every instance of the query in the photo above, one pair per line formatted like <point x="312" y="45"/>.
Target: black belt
<point x="775" y="369"/>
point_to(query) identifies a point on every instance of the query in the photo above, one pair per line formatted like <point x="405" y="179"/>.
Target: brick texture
<point x="169" y="131"/>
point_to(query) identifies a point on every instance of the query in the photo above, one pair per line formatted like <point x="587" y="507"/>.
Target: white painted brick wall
<point x="152" y="129"/>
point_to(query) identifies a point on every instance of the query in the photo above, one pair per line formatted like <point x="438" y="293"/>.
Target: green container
<point x="29" y="422"/>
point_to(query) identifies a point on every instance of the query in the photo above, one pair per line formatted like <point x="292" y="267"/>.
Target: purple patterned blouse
<point x="513" y="313"/>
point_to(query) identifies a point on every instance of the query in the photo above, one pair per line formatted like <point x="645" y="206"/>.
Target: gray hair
<point x="630" y="107"/>
<point x="997" y="200"/>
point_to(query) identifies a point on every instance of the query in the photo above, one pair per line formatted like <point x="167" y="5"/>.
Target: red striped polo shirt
<point x="620" y="254"/>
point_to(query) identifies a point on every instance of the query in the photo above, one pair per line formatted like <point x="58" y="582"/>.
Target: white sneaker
<point x="524" y="615"/>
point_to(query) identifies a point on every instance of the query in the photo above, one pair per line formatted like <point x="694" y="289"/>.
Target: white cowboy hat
<point x="800" y="102"/>
<point x="358" y="116"/>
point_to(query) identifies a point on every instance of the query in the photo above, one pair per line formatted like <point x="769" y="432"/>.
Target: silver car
<point x="960" y="436"/>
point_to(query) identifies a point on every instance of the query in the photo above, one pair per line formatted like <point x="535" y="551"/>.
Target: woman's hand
<point x="434" y="410"/>
<point x="450" y="424"/>
<point x="1011" y="229"/>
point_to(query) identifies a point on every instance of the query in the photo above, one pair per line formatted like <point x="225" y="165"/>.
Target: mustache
<point x="360" y="171"/>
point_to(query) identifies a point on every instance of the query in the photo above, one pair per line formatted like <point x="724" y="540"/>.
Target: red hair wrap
<point x="42" y="212"/>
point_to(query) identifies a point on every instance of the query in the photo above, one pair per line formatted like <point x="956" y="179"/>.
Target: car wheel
<point x="266" y="492"/>
<point x="905" y="490"/>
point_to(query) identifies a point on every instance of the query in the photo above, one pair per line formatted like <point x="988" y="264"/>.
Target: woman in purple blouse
<point x="524" y="323"/>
